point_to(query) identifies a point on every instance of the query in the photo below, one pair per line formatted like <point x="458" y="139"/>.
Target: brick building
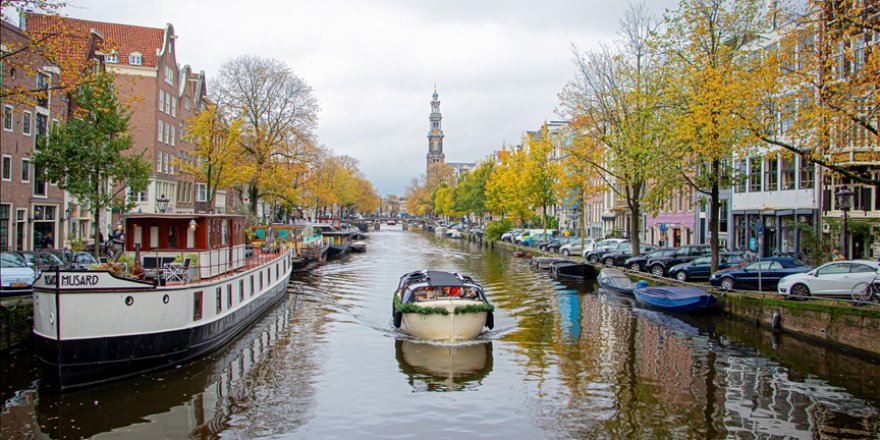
<point x="162" y="95"/>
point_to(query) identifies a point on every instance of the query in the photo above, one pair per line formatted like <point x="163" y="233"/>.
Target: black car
<point x="701" y="268"/>
<point x="658" y="266"/>
<point x="767" y="272"/>
<point x="603" y="247"/>
<point x="558" y="242"/>
<point x="641" y="262"/>
<point x="618" y="257"/>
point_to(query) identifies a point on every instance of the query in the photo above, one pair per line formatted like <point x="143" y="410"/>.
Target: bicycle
<point x="864" y="292"/>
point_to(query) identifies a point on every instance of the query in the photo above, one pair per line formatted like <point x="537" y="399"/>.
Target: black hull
<point x="579" y="271"/>
<point x="85" y="362"/>
<point x="304" y="264"/>
<point x="337" y="251"/>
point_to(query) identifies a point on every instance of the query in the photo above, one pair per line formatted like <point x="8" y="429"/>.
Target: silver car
<point x="16" y="278"/>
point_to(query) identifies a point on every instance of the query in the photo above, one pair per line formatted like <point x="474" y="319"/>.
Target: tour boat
<point x="437" y="305"/>
<point x="675" y="299"/>
<point x="358" y="246"/>
<point x="192" y="287"/>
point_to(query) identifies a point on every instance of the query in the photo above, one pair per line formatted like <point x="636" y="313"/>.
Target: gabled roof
<point x="124" y="38"/>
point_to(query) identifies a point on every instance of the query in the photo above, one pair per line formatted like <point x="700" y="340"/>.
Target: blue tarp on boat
<point x="675" y="299"/>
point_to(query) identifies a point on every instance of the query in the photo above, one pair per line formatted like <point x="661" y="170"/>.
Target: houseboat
<point x="192" y="287"/>
<point x="339" y="238"/>
<point x="310" y="247"/>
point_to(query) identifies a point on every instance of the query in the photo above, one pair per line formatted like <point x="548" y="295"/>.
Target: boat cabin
<point x="433" y="285"/>
<point x="216" y="241"/>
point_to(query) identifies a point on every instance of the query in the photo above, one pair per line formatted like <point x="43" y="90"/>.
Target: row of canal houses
<point x="162" y="92"/>
<point x="767" y="211"/>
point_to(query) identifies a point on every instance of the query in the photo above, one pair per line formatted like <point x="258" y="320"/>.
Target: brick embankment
<point x="837" y="323"/>
<point x="16" y="322"/>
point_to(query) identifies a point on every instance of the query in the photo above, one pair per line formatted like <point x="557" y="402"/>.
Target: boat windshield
<point x="448" y="292"/>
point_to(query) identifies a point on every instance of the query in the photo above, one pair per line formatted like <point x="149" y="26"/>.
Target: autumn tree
<point x="541" y="171"/>
<point x="709" y="42"/>
<point x="219" y="158"/>
<point x="279" y="111"/>
<point x="818" y="87"/>
<point x="88" y="154"/>
<point x="579" y="178"/>
<point x="615" y="106"/>
<point x="470" y="194"/>
<point x="507" y="187"/>
<point x="418" y="197"/>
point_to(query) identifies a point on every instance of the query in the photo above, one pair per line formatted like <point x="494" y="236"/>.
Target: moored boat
<point x="439" y="305"/>
<point x="94" y="326"/>
<point x="614" y="279"/>
<point x="358" y="246"/>
<point x="675" y="298"/>
<point x="546" y="262"/>
<point x="573" y="269"/>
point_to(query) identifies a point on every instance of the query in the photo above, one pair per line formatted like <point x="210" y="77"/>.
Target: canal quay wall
<point x="836" y="323"/>
<point x="16" y="322"/>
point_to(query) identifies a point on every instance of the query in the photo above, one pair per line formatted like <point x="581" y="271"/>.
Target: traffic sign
<point x="662" y="228"/>
<point x="759" y="227"/>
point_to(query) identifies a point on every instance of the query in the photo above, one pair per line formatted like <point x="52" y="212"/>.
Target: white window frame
<point x="9" y="177"/>
<point x="8" y="110"/>
<point x="169" y="75"/>
<point x="173" y="105"/>
<point x="158" y="161"/>
<point x="173" y="135"/>
<point x="159" y="131"/>
<point x="27" y="123"/>
<point x="111" y="57"/>
<point x="25" y="168"/>
<point x="166" y="135"/>
<point x="201" y="192"/>
<point x="136" y="59"/>
<point x="161" y="100"/>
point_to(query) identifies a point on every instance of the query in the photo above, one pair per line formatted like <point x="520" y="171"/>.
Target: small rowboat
<point x="675" y="299"/>
<point x="614" y="279"/>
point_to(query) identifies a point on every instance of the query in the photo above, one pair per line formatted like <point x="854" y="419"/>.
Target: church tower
<point x="435" y="136"/>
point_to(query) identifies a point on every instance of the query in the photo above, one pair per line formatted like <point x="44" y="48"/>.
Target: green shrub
<point x="496" y="228"/>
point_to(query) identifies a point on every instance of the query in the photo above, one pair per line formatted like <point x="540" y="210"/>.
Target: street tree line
<point x="673" y="103"/>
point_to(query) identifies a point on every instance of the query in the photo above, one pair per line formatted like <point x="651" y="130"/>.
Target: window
<point x="39" y="183"/>
<point x="241" y="291"/>
<point x="42" y="129"/>
<point x="173" y="135"/>
<point x="111" y="58"/>
<point x="43" y="84"/>
<point x="755" y="174"/>
<point x="219" y="300"/>
<point x="187" y="103"/>
<point x="201" y="192"/>
<point x="7" y="167"/>
<point x="229" y="296"/>
<point x="25" y="170"/>
<point x="788" y="172"/>
<point x="808" y="174"/>
<point x="159" y="161"/>
<point x="26" y="123"/>
<point x="261" y="281"/>
<point x="252" y="286"/>
<point x="169" y="75"/>
<point x="161" y="100"/>
<point x="140" y="196"/>
<point x="7" y="118"/>
<point x="197" y="305"/>
<point x="159" y="131"/>
<point x="135" y="59"/>
<point x="771" y="174"/>
<point x="173" y="105"/>
<point x="166" y="136"/>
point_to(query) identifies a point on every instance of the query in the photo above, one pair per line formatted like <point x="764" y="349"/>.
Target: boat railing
<point x="164" y="268"/>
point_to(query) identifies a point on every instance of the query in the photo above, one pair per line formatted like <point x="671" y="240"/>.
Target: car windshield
<point x="11" y="260"/>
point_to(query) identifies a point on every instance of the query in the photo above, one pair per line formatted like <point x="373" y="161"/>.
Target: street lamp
<point x="844" y="203"/>
<point x="162" y="203"/>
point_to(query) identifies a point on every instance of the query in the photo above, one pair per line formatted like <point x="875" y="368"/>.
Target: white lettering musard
<point x="72" y="280"/>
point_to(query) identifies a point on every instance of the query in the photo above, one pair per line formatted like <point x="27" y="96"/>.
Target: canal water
<point x="565" y="360"/>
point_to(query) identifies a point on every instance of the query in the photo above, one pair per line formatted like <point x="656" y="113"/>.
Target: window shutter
<point x="826" y="200"/>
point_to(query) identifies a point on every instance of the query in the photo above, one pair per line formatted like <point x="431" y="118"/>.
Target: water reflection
<point x="196" y="399"/>
<point x="443" y="367"/>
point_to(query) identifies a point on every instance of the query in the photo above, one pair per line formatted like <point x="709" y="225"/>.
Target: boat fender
<point x="490" y="320"/>
<point x="776" y="322"/>
<point x="398" y="316"/>
<point x="641" y="284"/>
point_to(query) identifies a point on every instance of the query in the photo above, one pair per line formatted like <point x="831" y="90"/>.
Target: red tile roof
<point x="124" y="38"/>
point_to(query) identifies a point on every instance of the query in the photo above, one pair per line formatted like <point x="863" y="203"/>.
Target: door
<point x="830" y="278"/>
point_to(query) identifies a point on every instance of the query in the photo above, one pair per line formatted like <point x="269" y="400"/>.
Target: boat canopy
<point x="436" y="278"/>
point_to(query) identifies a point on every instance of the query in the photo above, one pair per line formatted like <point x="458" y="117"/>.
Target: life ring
<point x="398" y="316"/>
<point x="490" y="320"/>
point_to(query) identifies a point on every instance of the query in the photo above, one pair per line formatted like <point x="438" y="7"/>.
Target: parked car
<point x="602" y="247"/>
<point x="574" y="247"/>
<point x="537" y="237"/>
<point x="508" y="236"/>
<point x="701" y="268"/>
<point x="526" y="233"/>
<point x="82" y="260"/>
<point x="830" y="279"/>
<point x="659" y="266"/>
<point x="556" y="243"/>
<point x="41" y="260"/>
<point x="16" y="278"/>
<point x="767" y="272"/>
<point x="618" y="256"/>
<point x="641" y="262"/>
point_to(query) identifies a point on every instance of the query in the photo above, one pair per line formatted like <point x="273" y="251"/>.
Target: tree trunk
<point x="253" y="192"/>
<point x="714" y="212"/>
<point x="635" y="239"/>
<point x="97" y="208"/>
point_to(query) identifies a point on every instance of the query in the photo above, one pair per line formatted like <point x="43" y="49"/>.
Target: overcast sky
<point x="498" y="65"/>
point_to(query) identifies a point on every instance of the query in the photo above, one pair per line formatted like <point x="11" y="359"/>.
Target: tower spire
<point x="435" y="136"/>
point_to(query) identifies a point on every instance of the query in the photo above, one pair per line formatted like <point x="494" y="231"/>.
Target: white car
<point x="574" y="248"/>
<point x="16" y="278"/>
<point x="830" y="279"/>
